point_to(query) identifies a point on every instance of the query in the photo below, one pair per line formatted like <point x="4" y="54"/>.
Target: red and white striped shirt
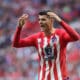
<point x="51" y="50"/>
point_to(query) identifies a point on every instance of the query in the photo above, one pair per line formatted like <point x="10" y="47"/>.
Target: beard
<point x="44" y="27"/>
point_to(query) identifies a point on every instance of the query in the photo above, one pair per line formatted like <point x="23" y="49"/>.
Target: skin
<point x="45" y="21"/>
<point x="46" y="24"/>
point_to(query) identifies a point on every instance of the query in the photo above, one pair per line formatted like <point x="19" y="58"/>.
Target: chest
<point x="52" y="41"/>
<point x="48" y="47"/>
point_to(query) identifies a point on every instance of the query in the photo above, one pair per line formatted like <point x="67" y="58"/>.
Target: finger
<point x="25" y="15"/>
<point x="22" y="19"/>
<point x="21" y="22"/>
<point x="51" y="14"/>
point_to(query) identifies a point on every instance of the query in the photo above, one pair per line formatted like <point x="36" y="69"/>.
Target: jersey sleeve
<point x="28" y="41"/>
<point x="69" y="34"/>
<point x="66" y="37"/>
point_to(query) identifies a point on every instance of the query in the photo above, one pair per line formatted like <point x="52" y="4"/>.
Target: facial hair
<point x="44" y="27"/>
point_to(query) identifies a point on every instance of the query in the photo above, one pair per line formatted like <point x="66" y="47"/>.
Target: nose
<point x="41" y="22"/>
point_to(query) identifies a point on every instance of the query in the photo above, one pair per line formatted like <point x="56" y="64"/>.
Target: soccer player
<point x="51" y="44"/>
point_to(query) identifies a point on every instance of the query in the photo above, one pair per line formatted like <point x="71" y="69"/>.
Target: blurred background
<point x="23" y="62"/>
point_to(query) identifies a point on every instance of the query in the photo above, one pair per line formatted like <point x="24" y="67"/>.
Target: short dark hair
<point x="44" y="12"/>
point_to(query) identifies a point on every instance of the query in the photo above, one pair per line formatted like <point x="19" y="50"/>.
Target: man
<point x="51" y="44"/>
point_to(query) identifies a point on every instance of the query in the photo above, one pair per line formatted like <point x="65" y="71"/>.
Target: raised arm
<point x="17" y="42"/>
<point x="72" y="34"/>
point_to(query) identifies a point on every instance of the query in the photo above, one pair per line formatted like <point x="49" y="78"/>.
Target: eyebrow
<point x="41" y="19"/>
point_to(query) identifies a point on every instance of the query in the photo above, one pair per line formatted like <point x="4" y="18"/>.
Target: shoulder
<point x="60" y="31"/>
<point x="36" y="35"/>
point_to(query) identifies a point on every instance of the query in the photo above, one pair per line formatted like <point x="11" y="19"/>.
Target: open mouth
<point x="42" y="25"/>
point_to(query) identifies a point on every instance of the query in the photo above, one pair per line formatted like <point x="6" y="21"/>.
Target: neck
<point x="49" y="32"/>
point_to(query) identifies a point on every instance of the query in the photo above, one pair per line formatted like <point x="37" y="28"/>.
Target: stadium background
<point x="23" y="62"/>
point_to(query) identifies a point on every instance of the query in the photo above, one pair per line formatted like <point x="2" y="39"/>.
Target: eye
<point x="43" y="19"/>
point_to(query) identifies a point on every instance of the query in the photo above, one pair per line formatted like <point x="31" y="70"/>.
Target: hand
<point x="53" y="15"/>
<point x="22" y="20"/>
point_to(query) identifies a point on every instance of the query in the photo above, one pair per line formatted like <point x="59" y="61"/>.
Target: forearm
<point x="21" y="22"/>
<point x="16" y="37"/>
<point x="74" y="35"/>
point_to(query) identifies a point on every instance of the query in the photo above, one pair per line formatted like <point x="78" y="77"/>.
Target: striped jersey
<point x="51" y="50"/>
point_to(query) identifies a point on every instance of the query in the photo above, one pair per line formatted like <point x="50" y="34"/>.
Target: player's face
<point x="45" y="22"/>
